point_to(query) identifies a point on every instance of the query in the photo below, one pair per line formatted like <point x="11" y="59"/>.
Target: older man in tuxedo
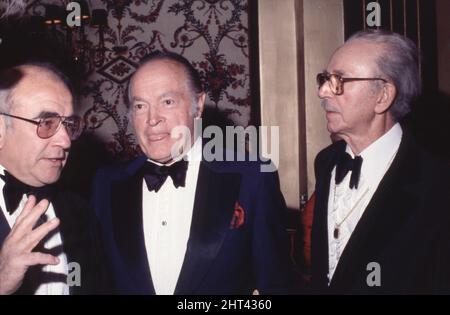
<point x="381" y="217"/>
<point x="47" y="235"/>
<point x="173" y="223"/>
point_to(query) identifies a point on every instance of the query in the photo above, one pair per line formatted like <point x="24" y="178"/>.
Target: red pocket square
<point x="238" y="216"/>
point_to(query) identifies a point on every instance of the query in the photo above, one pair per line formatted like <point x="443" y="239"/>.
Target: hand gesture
<point x="16" y="254"/>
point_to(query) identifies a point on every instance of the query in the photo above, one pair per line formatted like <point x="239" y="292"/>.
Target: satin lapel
<point x="128" y="231"/>
<point x="319" y="240"/>
<point x="391" y="205"/>
<point x="215" y="197"/>
<point x="69" y="223"/>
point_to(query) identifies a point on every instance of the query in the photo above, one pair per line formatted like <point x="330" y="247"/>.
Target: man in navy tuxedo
<point x="381" y="216"/>
<point x="173" y="223"/>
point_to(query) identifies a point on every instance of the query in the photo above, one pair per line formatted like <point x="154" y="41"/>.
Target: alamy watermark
<point x="374" y="17"/>
<point x="374" y="277"/>
<point x="74" y="15"/>
<point x="74" y="274"/>
<point x="242" y="144"/>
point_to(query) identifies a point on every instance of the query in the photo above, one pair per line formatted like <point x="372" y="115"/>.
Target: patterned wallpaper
<point x="212" y="34"/>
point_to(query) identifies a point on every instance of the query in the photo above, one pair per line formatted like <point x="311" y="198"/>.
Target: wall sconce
<point x="85" y="14"/>
<point x="53" y="14"/>
<point x="83" y="56"/>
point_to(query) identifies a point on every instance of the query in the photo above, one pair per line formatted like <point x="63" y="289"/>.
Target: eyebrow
<point x="170" y="93"/>
<point x="138" y="99"/>
<point x="339" y="72"/>
<point x="166" y="94"/>
<point x="45" y="114"/>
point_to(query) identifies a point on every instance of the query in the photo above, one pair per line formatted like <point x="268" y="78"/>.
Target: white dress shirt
<point x="54" y="241"/>
<point x="345" y="205"/>
<point x="167" y="217"/>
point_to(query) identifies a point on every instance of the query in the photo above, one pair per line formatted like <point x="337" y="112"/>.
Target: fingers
<point x="22" y="233"/>
<point x="33" y="238"/>
<point x="36" y="258"/>
<point x="29" y="204"/>
<point x="32" y="213"/>
<point x="16" y="251"/>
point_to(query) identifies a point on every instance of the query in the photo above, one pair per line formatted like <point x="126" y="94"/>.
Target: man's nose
<point x="154" y="116"/>
<point x="62" y="138"/>
<point x="325" y="90"/>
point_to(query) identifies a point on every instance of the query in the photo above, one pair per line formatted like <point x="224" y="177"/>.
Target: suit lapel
<point x="389" y="208"/>
<point x="319" y="241"/>
<point x="129" y="230"/>
<point x="215" y="197"/>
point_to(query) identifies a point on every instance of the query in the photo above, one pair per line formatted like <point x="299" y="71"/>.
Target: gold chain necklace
<point x="337" y="226"/>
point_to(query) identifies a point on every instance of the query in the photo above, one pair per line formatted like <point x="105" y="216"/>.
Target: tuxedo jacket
<point x="220" y="258"/>
<point x="80" y="242"/>
<point x="405" y="228"/>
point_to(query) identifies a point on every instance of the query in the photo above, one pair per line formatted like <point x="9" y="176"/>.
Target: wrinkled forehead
<point x="356" y="57"/>
<point x="160" y="71"/>
<point x="36" y="72"/>
<point x="41" y="91"/>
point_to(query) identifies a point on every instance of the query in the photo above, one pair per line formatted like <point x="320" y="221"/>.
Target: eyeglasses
<point x="336" y="81"/>
<point x="49" y="126"/>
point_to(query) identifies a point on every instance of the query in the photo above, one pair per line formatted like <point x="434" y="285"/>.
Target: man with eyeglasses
<point x="45" y="233"/>
<point x="381" y="219"/>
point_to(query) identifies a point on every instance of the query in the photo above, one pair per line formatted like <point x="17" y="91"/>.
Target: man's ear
<point x="200" y="104"/>
<point x="386" y="98"/>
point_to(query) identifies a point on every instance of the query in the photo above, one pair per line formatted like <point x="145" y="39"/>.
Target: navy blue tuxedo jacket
<point x="219" y="259"/>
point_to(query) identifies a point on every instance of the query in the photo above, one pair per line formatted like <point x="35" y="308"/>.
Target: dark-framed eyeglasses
<point x="336" y="81"/>
<point x="49" y="126"/>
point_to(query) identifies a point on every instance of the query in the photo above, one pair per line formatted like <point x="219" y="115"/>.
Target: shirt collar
<point x="378" y="155"/>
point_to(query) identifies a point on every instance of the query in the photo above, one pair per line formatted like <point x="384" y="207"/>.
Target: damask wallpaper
<point x="212" y="34"/>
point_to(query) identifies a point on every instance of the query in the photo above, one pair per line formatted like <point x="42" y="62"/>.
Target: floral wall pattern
<point x="212" y="34"/>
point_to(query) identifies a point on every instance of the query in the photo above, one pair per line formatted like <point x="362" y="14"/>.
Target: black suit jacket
<point x="80" y="242"/>
<point x="220" y="258"/>
<point x="405" y="227"/>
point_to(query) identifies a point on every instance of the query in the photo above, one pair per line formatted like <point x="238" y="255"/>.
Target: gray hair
<point x="9" y="78"/>
<point x="399" y="62"/>
<point x="5" y="103"/>
<point x="12" y="7"/>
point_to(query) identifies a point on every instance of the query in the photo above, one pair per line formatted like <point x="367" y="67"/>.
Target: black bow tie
<point x="346" y="164"/>
<point x="156" y="175"/>
<point x="14" y="190"/>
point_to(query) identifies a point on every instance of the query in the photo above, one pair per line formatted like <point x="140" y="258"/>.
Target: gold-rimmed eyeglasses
<point x="49" y="126"/>
<point x="336" y="81"/>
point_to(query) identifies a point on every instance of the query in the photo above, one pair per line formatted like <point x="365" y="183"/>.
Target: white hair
<point x="399" y="62"/>
<point x="12" y="7"/>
